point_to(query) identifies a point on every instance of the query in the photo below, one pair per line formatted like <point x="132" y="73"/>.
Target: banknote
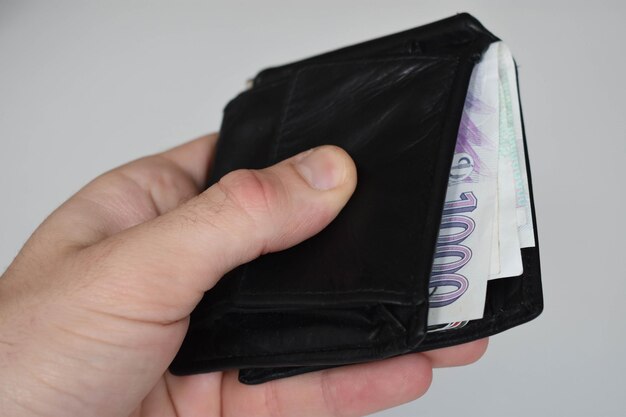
<point x="508" y="80"/>
<point x="487" y="216"/>
<point x="462" y="259"/>
<point x="509" y="255"/>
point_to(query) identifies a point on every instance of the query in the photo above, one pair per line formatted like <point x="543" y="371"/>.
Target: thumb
<point x="166" y="264"/>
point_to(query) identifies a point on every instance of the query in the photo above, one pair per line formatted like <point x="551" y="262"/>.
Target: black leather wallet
<point x="359" y="290"/>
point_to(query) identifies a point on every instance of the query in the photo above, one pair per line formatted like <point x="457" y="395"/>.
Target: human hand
<point x="95" y="306"/>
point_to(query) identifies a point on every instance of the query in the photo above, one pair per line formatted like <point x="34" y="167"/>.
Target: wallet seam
<point x="260" y="355"/>
<point x="285" y="111"/>
<point x="359" y="290"/>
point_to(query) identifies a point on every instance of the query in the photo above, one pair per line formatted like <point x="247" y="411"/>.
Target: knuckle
<point x="250" y="191"/>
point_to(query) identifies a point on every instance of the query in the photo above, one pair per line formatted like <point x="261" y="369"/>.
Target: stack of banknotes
<point x="487" y="216"/>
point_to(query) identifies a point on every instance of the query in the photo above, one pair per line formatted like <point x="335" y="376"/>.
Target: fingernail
<point x="323" y="168"/>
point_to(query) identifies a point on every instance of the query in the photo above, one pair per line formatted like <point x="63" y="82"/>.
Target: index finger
<point x="194" y="158"/>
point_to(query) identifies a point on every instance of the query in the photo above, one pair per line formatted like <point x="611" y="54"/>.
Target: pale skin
<point x="96" y="304"/>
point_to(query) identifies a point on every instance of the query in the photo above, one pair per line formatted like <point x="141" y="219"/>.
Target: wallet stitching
<point x="285" y="112"/>
<point x="359" y="290"/>
<point x="265" y="354"/>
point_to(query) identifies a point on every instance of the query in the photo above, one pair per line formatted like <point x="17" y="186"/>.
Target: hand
<point x="96" y="304"/>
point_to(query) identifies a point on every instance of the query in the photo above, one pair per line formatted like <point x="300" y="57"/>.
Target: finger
<point x="457" y="355"/>
<point x="354" y="390"/>
<point x="194" y="158"/>
<point x="175" y="258"/>
<point x="131" y="194"/>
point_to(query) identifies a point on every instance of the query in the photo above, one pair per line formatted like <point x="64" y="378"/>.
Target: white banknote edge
<point x="524" y="213"/>
<point x="510" y="257"/>
<point x="510" y="253"/>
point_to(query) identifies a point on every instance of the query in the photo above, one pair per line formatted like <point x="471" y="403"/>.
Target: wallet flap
<point x="389" y="115"/>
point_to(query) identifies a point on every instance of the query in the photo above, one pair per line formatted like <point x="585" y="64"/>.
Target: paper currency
<point x="487" y="217"/>
<point x="509" y="256"/>
<point x="463" y="255"/>
<point x="508" y="79"/>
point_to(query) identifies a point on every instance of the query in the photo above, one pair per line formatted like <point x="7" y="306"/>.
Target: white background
<point x="86" y="86"/>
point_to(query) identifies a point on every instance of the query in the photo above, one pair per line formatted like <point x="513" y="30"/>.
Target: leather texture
<point x="357" y="291"/>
